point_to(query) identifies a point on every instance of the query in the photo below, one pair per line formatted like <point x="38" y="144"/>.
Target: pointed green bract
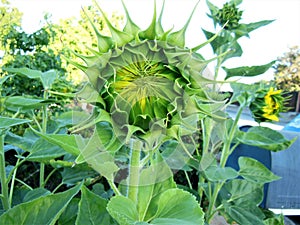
<point x="159" y="28"/>
<point x="130" y="26"/>
<point x="150" y="32"/>
<point x="104" y="42"/>
<point x="178" y="37"/>
<point x="119" y="38"/>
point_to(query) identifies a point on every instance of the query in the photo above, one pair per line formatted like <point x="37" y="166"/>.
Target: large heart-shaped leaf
<point x="43" y="210"/>
<point x="176" y="206"/>
<point x="123" y="210"/>
<point x="92" y="209"/>
<point x="240" y="199"/>
<point x="241" y="192"/>
<point x="215" y="173"/>
<point x="47" y="78"/>
<point x="158" y="200"/>
<point x="255" y="171"/>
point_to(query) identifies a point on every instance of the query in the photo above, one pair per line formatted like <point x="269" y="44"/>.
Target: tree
<point x="8" y="17"/>
<point x="287" y="70"/>
<point x="32" y="51"/>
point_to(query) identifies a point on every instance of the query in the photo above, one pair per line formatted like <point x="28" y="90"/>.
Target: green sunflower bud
<point x="148" y="79"/>
<point x="267" y="105"/>
<point x="229" y="14"/>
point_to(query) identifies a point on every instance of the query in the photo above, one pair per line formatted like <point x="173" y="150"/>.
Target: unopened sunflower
<point x="146" y="80"/>
<point x="267" y="106"/>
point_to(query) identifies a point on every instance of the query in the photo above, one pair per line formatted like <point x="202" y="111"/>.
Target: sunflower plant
<point x="159" y="131"/>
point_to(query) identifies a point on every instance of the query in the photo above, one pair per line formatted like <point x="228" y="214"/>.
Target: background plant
<point x="287" y="70"/>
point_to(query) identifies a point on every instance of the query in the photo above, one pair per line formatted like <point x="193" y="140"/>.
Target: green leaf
<point x="255" y="25"/>
<point x="100" y="149"/>
<point x="215" y="173"/>
<point x="150" y="32"/>
<point x="246" y="71"/>
<point x="130" y="27"/>
<point x="44" y="210"/>
<point x="6" y="122"/>
<point x="24" y="142"/>
<point x="48" y="78"/>
<point x="213" y="10"/>
<point x="32" y="74"/>
<point x="71" y="143"/>
<point x="240" y="200"/>
<point x="276" y="220"/>
<point x="71" y="118"/>
<point x="73" y="175"/>
<point x="255" y="171"/>
<point x="69" y="216"/>
<point x="123" y="210"/>
<point x="104" y="42"/>
<point x="176" y="206"/>
<point x="153" y="182"/>
<point x="92" y="209"/>
<point x="244" y="216"/>
<point x="35" y="193"/>
<point x="244" y="29"/>
<point x="43" y="151"/>
<point x="25" y="103"/>
<point x="224" y="43"/>
<point x="3" y="79"/>
<point x="266" y="138"/>
<point x="241" y="192"/>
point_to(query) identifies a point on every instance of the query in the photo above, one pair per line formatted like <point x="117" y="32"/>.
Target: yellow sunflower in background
<point x="267" y="106"/>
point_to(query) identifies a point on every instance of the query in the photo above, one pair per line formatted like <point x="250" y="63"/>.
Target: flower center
<point x="142" y="82"/>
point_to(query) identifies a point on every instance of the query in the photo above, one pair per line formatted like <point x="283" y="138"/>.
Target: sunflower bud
<point x="229" y="14"/>
<point x="267" y="105"/>
<point x="147" y="79"/>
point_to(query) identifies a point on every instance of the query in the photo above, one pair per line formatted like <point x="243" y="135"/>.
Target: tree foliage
<point x="75" y="34"/>
<point x="287" y="70"/>
<point x="9" y="17"/>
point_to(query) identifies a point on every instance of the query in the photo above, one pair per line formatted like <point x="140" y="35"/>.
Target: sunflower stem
<point x="226" y="151"/>
<point x="134" y="169"/>
<point x="4" y="187"/>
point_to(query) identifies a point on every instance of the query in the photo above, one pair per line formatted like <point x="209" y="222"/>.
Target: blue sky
<point x="264" y="45"/>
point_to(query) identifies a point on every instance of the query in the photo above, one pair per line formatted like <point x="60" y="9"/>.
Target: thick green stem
<point x="44" y="131"/>
<point x="227" y="143"/>
<point x="134" y="169"/>
<point x="210" y="211"/>
<point x="4" y="187"/>
<point x="12" y="185"/>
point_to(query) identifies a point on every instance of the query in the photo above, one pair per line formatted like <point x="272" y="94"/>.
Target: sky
<point x="264" y="45"/>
